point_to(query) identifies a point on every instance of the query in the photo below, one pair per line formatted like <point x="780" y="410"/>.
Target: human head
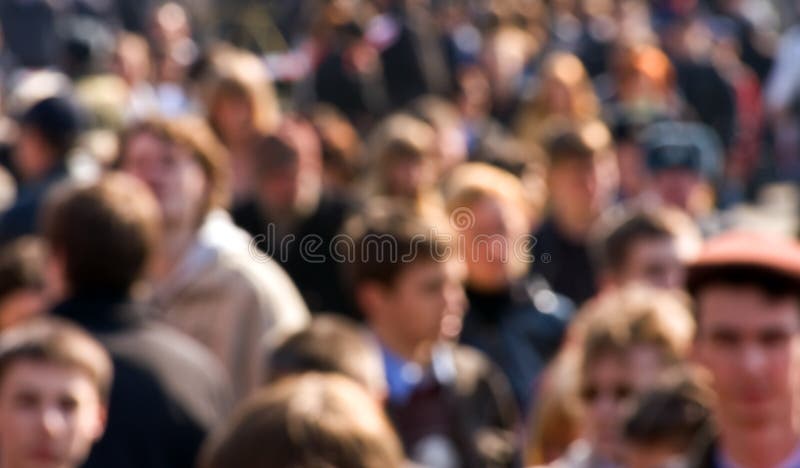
<point x="21" y="281"/>
<point x="403" y="150"/>
<point x="54" y="385"/>
<point x="489" y="209"/>
<point x="307" y="421"/>
<point x="581" y="176"/>
<point x="401" y="275"/>
<point x="48" y="130"/>
<point x="182" y="163"/>
<point x="627" y="338"/>
<point x="100" y="235"/>
<point x="443" y="117"/>
<point x="643" y="246"/>
<point x="341" y="147"/>
<point x="330" y="344"/>
<point x="745" y="287"/>
<point x="239" y="96"/>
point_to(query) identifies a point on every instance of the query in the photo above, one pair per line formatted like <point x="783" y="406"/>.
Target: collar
<point x="792" y="461"/>
<point x="100" y="312"/>
<point x="404" y="377"/>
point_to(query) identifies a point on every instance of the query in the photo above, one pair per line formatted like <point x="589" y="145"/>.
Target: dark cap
<point x="57" y="119"/>
<point x="682" y="145"/>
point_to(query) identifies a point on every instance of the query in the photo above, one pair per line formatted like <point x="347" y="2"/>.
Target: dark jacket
<point x="472" y="407"/>
<point x="168" y="391"/>
<point x="520" y="329"/>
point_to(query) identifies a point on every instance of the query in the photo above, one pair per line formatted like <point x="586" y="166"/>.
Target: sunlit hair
<point x="238" y="74"/>
<point x="641" y="64"/>
<point x="635" y="315"/>
<point x="58" y="342"/>
<point x="309" y="421"/>
<point x="561" y="73"/>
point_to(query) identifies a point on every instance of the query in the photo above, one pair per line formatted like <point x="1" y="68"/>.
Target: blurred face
<point x="414" y="306"/>
<point x="280" y="188"/>
<point x="490" y="253"/>
<point x="675" y="187"/>
<point x="577" y="189"/>
<point x="408" y="177"/>
<point x="653" y="261"/>
<point x="749" y="342"/>
<point x="50" y="416"/>
<point x="233" y="116"/>
<point x="606" y="391"/>
<point x="172" y="173"/>
<point x="32" y="156"/>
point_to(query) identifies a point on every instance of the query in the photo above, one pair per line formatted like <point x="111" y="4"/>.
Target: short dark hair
<point x="273" y="153"/>
<point x="388" y="237"/>
<point x="329" y="344"/>
<point x="775" y="284"/>
<point x="57" y="341"/>
<point x="615" y="246"/>
<point x="567" y="145"/>
<point x="675" y="413"/>
<point x="106" y="232"/>
<point x="21" y="266"/>
<point x="57" y="120"/>
<point x="308" y="421"/>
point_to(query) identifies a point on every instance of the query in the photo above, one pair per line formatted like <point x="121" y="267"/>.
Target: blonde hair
<point x="566" y="71"/>
<point x="240" y="74"/>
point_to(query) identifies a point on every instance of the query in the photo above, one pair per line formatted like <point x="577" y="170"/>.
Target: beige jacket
<point x="238" y="304"/>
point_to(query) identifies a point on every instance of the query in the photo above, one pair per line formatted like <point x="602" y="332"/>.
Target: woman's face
<point x="233" y="117"/>
<point x="606" y="392"/>
<point x="172" y="173"/>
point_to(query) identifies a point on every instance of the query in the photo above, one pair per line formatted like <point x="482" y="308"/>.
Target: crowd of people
<point x="398" y="233"/>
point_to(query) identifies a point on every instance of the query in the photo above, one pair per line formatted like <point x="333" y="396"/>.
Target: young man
<point x="581" y="180"/>
<point x="169" y="391"/>
<point x="646" y="246"/>
<point x="449" y="404"/>
<point x="54" y="387"/>
<point x="748" y="337"/>
<point x="208" y="282"/>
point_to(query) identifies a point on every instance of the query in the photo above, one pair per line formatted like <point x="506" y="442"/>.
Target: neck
<point x="176" y="243"/>
<point x="761" y="446"/>
<point x="417" y="352"/>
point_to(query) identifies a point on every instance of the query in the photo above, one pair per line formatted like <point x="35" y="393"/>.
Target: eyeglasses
<point x="618" y="393"/>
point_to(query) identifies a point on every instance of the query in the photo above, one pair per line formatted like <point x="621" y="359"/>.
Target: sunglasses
<point x="618" y="393"/>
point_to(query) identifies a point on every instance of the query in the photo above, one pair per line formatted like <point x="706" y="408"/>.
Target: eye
<point x="774" y="338"/>
<point x="67" y="404"/>
<point x="26" y="400"/>
<point x="589" y="393"/>
<point x="725" y="338"/>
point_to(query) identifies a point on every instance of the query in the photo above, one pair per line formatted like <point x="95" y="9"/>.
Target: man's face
<point x="418" y="300"/>
<point x="581" y="188"/>
<point x="50" y="416"/>
<point x="32" y="156"/>
<point x="174" y="176"/>
<point x="653" y="261"/>
<point x="675" y="187"/>
<point x="749" y="342"/>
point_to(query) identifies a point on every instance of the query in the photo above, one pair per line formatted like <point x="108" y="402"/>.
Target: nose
<point x="754" y="359"/>
<point x="52" y="421"/>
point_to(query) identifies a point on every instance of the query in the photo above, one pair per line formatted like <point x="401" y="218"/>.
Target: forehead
<point x="745" y="308"/>
<point x="46" y="377"/>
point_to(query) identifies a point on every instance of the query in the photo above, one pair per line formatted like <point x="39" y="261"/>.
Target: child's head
<point x="402" y="279"/>
<point x="54" y="386"/>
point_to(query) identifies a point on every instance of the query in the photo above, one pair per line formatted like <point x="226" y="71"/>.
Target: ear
<point x="101" y="421"/>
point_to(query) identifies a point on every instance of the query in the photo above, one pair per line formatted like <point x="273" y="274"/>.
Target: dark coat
<point x="168" y="391"/>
